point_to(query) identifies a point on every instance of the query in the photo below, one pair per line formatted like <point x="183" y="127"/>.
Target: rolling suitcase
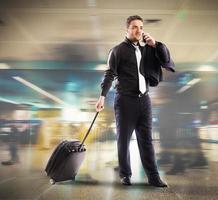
<point x="66" y="159"/>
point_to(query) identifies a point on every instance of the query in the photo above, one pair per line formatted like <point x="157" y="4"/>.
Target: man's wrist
<point x="155" y="44"/>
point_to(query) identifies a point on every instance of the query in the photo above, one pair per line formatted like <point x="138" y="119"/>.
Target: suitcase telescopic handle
<point x="93" y="121"/>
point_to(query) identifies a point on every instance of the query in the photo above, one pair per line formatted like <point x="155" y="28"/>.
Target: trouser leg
<point x="13" y="151"/>
<point x="144" y="137"/>
<point x="125" y="124"/>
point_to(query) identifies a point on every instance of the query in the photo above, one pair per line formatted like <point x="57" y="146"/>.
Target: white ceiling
<point x="49" y="29"/>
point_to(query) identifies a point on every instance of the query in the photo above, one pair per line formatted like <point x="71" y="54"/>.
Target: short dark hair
<point x="131" y="18"/>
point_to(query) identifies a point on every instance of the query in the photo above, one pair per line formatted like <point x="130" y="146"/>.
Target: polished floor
<point x="190" y="174"/>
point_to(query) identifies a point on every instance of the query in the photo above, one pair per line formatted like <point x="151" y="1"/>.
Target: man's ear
<point x="126" y="30"/>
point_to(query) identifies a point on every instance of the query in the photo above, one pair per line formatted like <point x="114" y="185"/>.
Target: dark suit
<point x="133" y="110"/>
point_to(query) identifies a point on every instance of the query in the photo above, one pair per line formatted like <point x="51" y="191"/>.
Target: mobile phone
<point x="143" y="38"/>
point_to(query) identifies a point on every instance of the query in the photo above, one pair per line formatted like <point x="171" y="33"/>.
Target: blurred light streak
<point x="189" y="85"/>
<point x="74" y="115"/>
<point x="101" y="67"/>
<point x="41" y="91"/>
<point x="8" y="101"/>
<point x="206" y="68"/>
<point x="4" y="66"/>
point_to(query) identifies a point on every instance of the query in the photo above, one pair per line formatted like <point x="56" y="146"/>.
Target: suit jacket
<point x="153" y="59"/>
<point x="122" y="66"/>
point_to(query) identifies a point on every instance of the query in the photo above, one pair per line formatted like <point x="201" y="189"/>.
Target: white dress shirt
<point x="142" y="82"/>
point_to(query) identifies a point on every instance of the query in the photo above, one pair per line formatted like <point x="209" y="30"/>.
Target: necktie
<point x="142" y="84"/>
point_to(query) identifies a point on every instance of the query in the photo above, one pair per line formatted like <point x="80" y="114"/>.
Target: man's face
<point x="135" y="30"/>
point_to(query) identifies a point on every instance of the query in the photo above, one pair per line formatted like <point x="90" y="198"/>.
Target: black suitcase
<point x="66" y="159"/>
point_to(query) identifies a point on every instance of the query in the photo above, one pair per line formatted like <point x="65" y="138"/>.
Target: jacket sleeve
<point x="110" y="73"/>
<point x="163" y="55"/>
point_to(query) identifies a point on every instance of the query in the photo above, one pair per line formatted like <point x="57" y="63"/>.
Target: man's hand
<point x="149" y="39"/>
<point x="99" y="106"/>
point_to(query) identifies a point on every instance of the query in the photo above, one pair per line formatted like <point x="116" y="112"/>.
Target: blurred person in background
<point x="13" y="146"/>
<point x="135" y="68"/>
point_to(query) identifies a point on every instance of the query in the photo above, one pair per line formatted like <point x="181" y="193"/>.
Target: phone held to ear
<point x="143" y="39"/>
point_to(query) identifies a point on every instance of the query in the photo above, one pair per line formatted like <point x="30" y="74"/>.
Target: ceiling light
<point x="184" y="88"/>
<point x="4" y="66"/>
<point x="188" y="85"/>
<point x="38" y="89"/>
<point x="193" y="81"/>
<point x="8" y="101"/>
<point x="206" y="68"/>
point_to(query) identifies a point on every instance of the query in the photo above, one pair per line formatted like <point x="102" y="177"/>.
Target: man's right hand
<point x="99" y="106"/>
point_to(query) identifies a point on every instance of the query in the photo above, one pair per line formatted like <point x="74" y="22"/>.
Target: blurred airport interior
<point x="52" y="59"/>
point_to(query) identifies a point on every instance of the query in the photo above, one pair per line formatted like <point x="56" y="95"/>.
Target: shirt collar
<point x="128" y="41"/>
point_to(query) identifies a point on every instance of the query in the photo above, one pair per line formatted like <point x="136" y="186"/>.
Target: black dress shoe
<point x="125" y="180"/>
<point x="9" y="162"/>
<point x="157" y="182"/>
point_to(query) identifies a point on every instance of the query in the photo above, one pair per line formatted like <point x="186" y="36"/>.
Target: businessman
<point x="135" y="68"/>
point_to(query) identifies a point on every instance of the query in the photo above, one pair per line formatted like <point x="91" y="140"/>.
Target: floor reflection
<point x="187" y="170"/>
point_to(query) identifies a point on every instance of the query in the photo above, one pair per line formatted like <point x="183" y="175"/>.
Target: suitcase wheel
<point x="52" y="181"/>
